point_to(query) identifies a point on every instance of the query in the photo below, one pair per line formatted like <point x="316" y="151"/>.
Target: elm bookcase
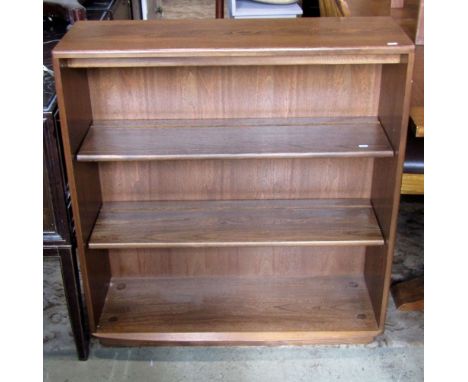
<point x="235" y="181"/>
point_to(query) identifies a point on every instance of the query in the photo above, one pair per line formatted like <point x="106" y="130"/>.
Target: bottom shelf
<point x="215" y="310"/>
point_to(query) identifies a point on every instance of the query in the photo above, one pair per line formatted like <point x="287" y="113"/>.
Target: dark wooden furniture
<point x="219" y="9"/>
<point x="58" y="231"/>
<point x="58" y="236"/>
<point x="409" y="295"/>
<point x="236" y="190"/>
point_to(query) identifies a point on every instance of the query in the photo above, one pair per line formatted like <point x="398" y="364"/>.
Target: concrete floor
<point x="269" y="364"/>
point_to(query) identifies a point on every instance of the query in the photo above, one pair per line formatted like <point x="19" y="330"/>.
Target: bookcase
<point x="235" y="181"/>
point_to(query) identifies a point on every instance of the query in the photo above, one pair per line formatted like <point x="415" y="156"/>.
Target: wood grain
<point x="238" y="261"/>
<point x="417" y="119"/>
<point x="419" y="38"/>
<point x="236" y="309"/>
<point x="407" y="17"/>
<point x="386" y="187"/>
<point x="409" y="295"/>
<point x="235" y="223"/>
<point x="84" y="183"/>
<point x="217" y="179"/>
<point x="417" y="90"/>
<point x="334" y="8"/>
<point x="316" y="59"/>
<point x="235" y="92"/>
<point x="359" y="8"/>
<point x="237" y="38"/>
<point x="226" y="139"/>
<point x="397" y="3"/>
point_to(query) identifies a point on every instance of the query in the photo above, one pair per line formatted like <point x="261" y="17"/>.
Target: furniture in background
<point x="219" y="13"/>
<point x="413" y="169"/>
<point x="334" y="8"/>
<point x="58" y="231"/>
<point x="236" y="190"/>
<point x="248" y="9"/>
<point x="137" y="12"/>
<point x="114" y="9"/>
<point x="310" y="8"/>
<point x="58" y="228"/>
<point x="60" y="15"/>
<point x="409" y="295"/>
<point x="410" y="17"/>
<point x="69" y="11"/>
<point x="58" y="234"/>
<point x="357" y="8"/>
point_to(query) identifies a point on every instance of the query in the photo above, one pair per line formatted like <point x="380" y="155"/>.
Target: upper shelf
<point x="234" y="138"/>
<point x="233" y="42"/>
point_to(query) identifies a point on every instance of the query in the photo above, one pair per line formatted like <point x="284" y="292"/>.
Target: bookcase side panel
<point x="83" y="179"/>
<point x="385" y="196"/>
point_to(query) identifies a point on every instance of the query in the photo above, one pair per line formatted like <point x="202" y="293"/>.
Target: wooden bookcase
<point x="235" y="182"/>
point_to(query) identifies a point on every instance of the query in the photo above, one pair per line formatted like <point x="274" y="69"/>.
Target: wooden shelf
<point x="237" y="310"/>
<point x="236" y="223"/>
<point x="234" y="138"/>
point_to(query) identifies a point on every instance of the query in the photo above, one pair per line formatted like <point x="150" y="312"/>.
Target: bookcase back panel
<point x="235" y="92"/>
<point x="247" y="261"/>
<point x="236" y="179"/>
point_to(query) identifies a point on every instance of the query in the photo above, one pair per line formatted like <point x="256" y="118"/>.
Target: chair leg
<point x="72" y="288"/>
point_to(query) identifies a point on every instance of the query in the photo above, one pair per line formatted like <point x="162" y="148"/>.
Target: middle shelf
<point x="126" y="140"/>
<point x="303" y="222"/>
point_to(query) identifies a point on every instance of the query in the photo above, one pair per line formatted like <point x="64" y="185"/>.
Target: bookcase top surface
<point x="233" y="38"/>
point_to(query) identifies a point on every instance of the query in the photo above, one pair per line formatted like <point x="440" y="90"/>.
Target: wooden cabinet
<point x="58" y="236"/>
<point x="235" y="182"/>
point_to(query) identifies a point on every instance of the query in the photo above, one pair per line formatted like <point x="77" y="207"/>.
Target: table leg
<point x="220" y="9"/>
